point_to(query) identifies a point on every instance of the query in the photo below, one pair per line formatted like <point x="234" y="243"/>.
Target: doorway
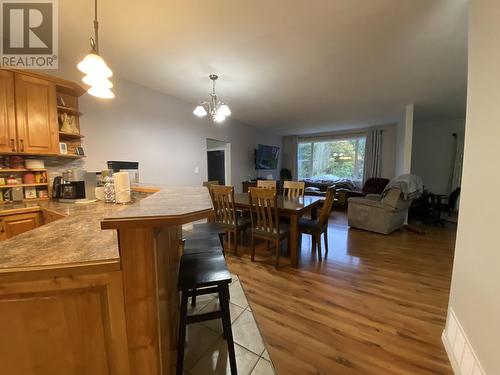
<point x="219" y="161"/>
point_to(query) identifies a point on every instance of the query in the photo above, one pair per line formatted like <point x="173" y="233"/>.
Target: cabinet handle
<point x="22" y="145"/>
<point x="13" y="144"/>
<point x="2" y="228"/>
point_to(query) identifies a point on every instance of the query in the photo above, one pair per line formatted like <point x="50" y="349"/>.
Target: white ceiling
<point x="294" y="66"/>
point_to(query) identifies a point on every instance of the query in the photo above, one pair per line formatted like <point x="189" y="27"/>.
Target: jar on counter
<point x="29" y="178"/>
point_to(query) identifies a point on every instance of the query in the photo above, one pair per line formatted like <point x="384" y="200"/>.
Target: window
<point x="332" y="158"/>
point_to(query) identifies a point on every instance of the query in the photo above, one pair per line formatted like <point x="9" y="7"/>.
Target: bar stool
<point x="208" y="271"/>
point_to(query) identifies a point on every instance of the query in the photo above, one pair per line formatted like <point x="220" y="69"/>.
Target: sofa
<point x="373" y="185"/>
<point x="376" y="213"/>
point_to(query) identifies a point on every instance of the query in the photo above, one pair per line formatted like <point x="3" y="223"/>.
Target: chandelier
<point x="95" y="68"/>
<point x="217" y="109"/>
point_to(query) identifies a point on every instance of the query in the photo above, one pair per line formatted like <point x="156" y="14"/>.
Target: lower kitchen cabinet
<point x="12" y="225"/>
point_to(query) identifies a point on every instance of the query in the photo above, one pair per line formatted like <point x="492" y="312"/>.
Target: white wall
<point x="475" y="288"/>
<point x="433" y="152"/>
<point x="404" y="141"/>
<point x="162" y="134"/>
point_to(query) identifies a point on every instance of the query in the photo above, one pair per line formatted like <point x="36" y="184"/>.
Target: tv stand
<point x="253" y="183"/>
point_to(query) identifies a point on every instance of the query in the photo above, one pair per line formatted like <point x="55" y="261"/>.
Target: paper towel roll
<point x="122" y="187"/>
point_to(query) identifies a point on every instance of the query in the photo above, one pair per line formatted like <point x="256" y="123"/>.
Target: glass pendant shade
<point x="93" y="64"/>
<point x="219" y="118"/>
<point x="101" y="92"/>
<point x="224" y="110"/>
<point x="93" y="80"/>
<point x="200" y="111"/>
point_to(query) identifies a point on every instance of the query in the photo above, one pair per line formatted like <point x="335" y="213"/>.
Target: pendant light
<point x="217" y="109"/>
<point x="95" y="68"/>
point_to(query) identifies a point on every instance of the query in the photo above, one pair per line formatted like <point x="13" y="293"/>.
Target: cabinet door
<point x="13" y="225"/>
<point x="36" y="113"/>
<point x="8" y="137"/>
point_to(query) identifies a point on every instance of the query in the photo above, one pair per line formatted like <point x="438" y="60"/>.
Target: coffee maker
<point x="70" y="187"/>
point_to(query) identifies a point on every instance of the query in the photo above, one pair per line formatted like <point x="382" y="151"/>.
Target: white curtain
<point x="290" y="150"/>
<point x="373" y="154"/>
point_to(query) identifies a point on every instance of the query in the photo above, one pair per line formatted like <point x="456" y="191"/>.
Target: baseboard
<point x="460" y="352"/>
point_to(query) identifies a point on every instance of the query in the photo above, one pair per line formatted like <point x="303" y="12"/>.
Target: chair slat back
<point x="264" y="210"/>
<point x="327" y="207"/>
<point x="208" y="184"/>
<point x="266" y="184"/>
<point x="223" y="199"/>
<point x="294" y="189"/>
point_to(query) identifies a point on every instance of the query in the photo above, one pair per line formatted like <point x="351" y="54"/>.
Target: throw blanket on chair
<point x="411" y="186"/>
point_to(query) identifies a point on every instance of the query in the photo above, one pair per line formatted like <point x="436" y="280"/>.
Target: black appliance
<point x="56" y="187"/>
<point x="73" y="190"/>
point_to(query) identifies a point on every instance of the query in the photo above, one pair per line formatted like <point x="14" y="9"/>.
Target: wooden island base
<point x="114" y="316"/>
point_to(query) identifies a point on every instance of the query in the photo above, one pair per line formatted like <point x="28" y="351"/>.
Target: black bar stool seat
<point x="205" y="270"/>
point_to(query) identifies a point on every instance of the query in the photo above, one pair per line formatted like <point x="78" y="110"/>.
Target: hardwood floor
<point x="375" y="305"/>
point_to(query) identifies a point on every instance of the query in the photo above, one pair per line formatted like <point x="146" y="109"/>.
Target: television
<point x="266" y="157"/>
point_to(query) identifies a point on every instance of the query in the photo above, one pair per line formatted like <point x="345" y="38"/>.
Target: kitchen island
<point x="95" y="292"/>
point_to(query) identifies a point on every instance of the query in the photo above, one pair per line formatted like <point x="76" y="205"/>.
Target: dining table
<point x="292" y="208"/>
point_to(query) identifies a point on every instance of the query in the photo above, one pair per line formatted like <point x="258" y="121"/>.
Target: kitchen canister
<point x="122" y="187"/>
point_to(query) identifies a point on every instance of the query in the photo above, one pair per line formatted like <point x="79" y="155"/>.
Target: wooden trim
<point x="58" y="270"/>
<point x="145" y="189"/>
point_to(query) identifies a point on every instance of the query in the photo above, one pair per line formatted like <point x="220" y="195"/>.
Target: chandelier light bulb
<point x="224" y="110"/>
<point x="219" y="117"/>
<point x="200" y="111"/>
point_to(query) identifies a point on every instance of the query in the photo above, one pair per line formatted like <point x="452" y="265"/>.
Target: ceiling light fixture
<point x="95" y="68"/>
<point x="217" y="109"/>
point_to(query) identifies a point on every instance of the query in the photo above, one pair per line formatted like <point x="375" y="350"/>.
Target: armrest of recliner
<point x="375" y="203"/>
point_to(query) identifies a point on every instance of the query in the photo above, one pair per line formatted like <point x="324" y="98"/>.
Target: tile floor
<point x="206" y="350"/>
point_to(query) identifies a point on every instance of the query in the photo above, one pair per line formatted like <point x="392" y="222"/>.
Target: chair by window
<point x="265" y="219"/>
<point x="294" y="189"/>
<point x="225" y="214"/>
<point x="316" y="228"/>
<point x="266" y="184"/>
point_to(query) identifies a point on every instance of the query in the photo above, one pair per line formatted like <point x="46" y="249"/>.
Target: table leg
<point x="294" y="240"/>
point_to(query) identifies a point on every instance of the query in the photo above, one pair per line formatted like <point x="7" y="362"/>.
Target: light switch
<point x="196" y="170"/>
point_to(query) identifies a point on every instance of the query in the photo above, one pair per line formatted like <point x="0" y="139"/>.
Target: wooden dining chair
<point x="266" y="184"/>
<point x="294" y="189"/>
<point x="225" y="214"/>
<point x="208" y="185"/>
<point x="319" y="226"/>
<point x="265" y="220"/>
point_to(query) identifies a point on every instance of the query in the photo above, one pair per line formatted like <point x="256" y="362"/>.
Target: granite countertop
<point x="78" y="238"/>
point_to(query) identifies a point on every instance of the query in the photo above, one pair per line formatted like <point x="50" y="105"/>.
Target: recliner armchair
<point x="378" y="214"/>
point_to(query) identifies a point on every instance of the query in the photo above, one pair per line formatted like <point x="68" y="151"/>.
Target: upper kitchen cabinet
<point x="8" y="135"/>
<point x="33" y="107"/>
<point x="36" y="115"/>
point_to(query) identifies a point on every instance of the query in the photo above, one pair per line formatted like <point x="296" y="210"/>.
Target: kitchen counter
<point x="78" y="238"/>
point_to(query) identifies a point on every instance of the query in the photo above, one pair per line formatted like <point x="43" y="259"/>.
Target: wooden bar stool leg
<point x="326" y="240"/>
<point x="277" y="254"/>
<point x="182" y="333"/>
<point x="193" y="299"/>
<point x="226" y="324"/>
<point x="318" y="241"/>
<point x="253" y="248"/>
